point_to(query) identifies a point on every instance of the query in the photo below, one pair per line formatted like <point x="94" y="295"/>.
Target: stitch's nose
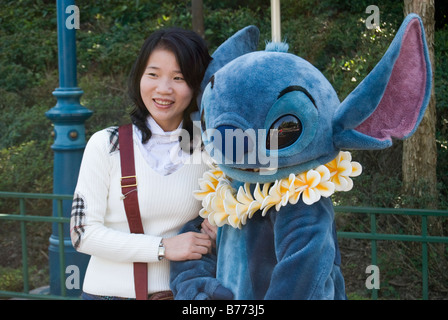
<point x="233" y="143"/>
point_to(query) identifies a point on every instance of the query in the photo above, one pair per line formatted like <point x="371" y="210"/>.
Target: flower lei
<point x="221" y="206"/>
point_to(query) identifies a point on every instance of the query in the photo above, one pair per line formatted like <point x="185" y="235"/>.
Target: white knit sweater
<point x="99" y="226"/>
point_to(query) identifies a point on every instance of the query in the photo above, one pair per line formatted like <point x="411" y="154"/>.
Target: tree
<point x="198" y="17"/>
<point x="420" y="150"/>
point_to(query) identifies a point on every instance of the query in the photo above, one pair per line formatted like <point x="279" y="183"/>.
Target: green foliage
<point x="27" y="167"/>
<point x="20" y="62"/>
<point x="22" y="16"/>
<point x="236" y="4"/>
<point x="441" y="90"/>
<point x="28" y="43"/>
<point x="11" y="279"/>
<point x="221" y="23"/>
<point x="25" y="156"/>
<point x="348" y="69"/>
<point x="107" y="98"/>
<point x="23" y="111"/>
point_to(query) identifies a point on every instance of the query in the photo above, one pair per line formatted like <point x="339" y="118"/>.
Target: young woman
<point x="163" y="86"/>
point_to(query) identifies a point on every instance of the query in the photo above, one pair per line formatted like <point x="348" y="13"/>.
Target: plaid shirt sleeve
<point x="92" y="187"/>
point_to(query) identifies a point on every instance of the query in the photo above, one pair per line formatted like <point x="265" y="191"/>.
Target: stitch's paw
<point x="222" y="293"/>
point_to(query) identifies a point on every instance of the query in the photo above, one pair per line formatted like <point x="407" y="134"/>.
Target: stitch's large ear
<point x="391" y="100"/>
<point x="242" y="42"/>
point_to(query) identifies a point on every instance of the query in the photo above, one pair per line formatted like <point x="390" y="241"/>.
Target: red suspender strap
<point x="130" y="199"/>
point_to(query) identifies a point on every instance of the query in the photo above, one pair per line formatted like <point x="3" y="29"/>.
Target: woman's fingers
<point x="209" y="229"/>
<point x="187" y="246"/>
<point x="203" y="245"/>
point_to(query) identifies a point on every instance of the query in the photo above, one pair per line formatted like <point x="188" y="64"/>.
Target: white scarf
<point x="162" y="151"/>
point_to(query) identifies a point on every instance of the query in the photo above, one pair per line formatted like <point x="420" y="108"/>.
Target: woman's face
<point x="164" y="90"/>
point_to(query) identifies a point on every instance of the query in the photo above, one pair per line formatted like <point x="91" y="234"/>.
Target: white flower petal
<point x="324" y="173"/>
<point x="344" y="168"/>
<point x="326" y="188"/>
<point x="356" y="169"/>
<point x="309" y="196"/>
<point x="312" y="178"/>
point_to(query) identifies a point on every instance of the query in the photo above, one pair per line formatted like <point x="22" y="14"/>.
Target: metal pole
<point x="68" y="117"/>
<point x="275" y="21"/>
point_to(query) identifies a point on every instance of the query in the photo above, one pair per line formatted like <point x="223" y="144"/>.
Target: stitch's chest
<point x="251" y="258"/>
<point x="247" y="264"/>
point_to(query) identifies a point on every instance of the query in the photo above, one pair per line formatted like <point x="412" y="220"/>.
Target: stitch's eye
<point x="284" y="132"/>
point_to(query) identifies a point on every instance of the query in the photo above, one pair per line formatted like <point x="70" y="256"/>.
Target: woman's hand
<point x="187" y="246"/>
<point x="207" y="228"/>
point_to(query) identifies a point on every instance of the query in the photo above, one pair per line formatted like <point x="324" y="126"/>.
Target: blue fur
<point x="277" y="46"/>
<point x="246" y="104"/>
<point x="274" y="263"/>
<point x="293" y="253"/>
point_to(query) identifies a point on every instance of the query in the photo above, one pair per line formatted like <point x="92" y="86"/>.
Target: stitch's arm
<point x="305" y="251"/>
<point x="195" y="279"/>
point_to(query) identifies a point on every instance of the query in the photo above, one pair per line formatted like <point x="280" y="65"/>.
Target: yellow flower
<point x="274" y="198"/>
<point x="326" y="188"/>
<point x="230" y="203"/>
<point x="247" y="205"/>
<point x="208" y="182"/>
<point x="218" y="212"/>
<point x="206" y="187"/>
<point x="306" y="184"/>
<point x="260" y="196"/>
<point x="341" y="169"/>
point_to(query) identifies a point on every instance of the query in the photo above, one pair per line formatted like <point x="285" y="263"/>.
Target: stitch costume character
<point x="277" y="236"/>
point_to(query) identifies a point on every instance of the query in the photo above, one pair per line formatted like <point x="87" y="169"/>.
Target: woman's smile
<point x="163" y="103"/>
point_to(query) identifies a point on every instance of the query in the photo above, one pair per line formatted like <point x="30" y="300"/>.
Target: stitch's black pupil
<point x="284" y="132"/>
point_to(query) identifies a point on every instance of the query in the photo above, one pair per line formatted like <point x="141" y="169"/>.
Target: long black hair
<point x="193" y="58"/>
